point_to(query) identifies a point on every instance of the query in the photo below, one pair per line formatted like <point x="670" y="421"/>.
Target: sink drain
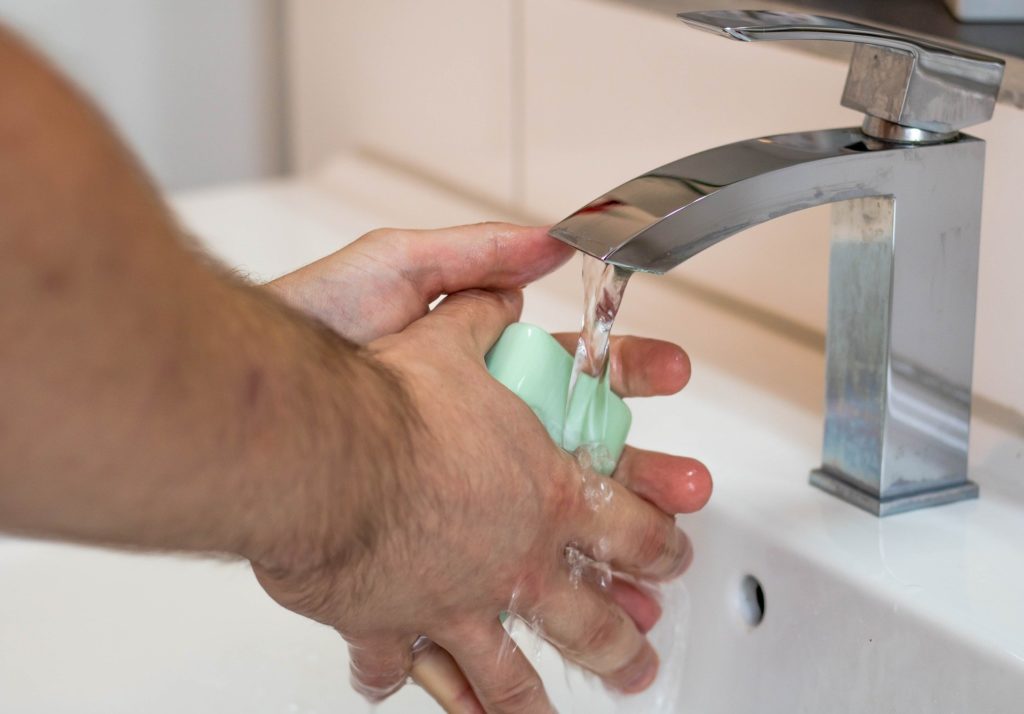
<point x="751" y="601"/>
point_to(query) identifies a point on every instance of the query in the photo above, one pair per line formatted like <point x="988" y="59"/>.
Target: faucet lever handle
<point x="905" y="80"/>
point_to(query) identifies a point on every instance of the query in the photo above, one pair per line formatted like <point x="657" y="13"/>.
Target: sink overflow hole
<point x="751" y="601"/>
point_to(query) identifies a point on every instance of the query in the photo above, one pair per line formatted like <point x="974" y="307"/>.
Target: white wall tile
<point x="583" y="95"/>
<point x="612" y="91"/>
<point x="999" y="340"/>
<point x="425" y="85"/>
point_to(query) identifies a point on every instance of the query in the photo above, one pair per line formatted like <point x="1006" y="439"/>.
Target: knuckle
<point x="654" y="544"/>
<point x="529" y="587"/>
<point x="381" y="235"/>
<point x="493" y="229"/>
<point x="522" y="694"/>
<point x="564" y="498"/>
<point x="498" y="243"/>
<point x="474" y="306"/>
<point x="604" y="634"/>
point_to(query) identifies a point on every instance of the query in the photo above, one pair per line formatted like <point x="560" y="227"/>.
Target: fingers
<point x="484" y="255"/>
<point x="439" y="675"/>
<point x="641" y="367"/>
<point x="379" y="666"/>
<point x="645" y="367"/>
<point x="475" y="318"/>
<point x="597" y="634"/>
<point x="504" y="681"/>
<point x="630" y="534"/>
<point x="675" y="484"/>
<point x="635" y="600"/>
<point x="641" y="606"/>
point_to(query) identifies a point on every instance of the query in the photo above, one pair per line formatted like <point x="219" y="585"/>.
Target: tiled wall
<point x="423" y="83"/>
<point x="540" y="105"/>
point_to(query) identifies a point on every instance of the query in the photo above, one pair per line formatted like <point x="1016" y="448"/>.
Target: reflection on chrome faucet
<point x="904" y="260"/>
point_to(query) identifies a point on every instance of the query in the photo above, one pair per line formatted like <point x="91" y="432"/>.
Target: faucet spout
<point x="902" y="286"/>
<point x="656" y="221"/>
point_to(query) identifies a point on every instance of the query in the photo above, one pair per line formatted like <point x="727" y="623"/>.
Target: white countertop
<point x="70" y="617"/>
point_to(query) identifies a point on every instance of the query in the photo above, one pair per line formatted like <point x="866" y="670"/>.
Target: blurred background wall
<point x="527" y="108"/>
<point x="194" y="85"/>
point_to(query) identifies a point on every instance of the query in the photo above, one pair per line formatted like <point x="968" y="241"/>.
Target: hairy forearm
<point x="147" y="398"/>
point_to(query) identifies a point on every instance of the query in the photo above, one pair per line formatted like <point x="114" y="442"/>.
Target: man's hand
<point x="599" y="625"/>
<point x="381" y="283"/>
<point x="391" y="489"/>
<point x="475" y="520"/>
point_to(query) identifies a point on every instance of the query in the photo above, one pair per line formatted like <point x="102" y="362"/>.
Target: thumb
<point x="474" y="319"/>
<point x="497" y="256"/>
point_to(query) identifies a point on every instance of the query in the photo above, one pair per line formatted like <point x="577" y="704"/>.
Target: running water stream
<point x="587" y="409"/>
<point x="603" y="288"/>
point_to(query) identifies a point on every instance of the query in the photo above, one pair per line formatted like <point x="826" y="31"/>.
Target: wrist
<point x="350" y="424"/>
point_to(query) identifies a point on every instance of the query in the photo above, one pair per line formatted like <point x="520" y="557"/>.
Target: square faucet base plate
<point x="827" y="481"/>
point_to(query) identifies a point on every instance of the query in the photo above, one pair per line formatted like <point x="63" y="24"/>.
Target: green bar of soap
<point x="537" y="369"/>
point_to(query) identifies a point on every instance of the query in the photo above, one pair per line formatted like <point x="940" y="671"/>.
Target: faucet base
<point x="836" y="486"/>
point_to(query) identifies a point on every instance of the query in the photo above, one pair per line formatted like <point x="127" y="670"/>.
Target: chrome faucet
<point x="903" y="269"/>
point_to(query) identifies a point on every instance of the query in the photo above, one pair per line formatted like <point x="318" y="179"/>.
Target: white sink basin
<point x="917" y="613"/>
<point x="867" y="633"/>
